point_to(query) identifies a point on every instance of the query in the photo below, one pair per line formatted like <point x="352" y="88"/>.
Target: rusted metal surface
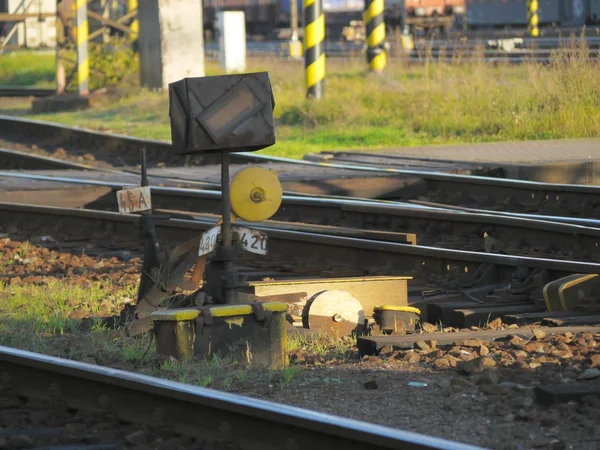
<point x="213" y="416"/>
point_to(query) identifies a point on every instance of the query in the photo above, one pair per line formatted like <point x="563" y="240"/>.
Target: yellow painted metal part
<point x="175" y="315"/>
<point x="327" y="281"/>
<point x="555" y="295"/>
<point x="256" y="194"/>
<point x="571" y="283"/>
<point x="132" y="5"/>
<point x="398" y="308"/>
<point x="244" y="310"/>
<point x="546" y="297"/>
<point x="315" y="73"/>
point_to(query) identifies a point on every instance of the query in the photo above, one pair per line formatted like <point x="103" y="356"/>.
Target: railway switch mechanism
<point x="215" y="308"/>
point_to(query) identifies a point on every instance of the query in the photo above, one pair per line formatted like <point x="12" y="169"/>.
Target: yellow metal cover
<point x="175" y="315"/>
<point x="409" y="309"/>
<point x="243" y="310"/>
<point x="256" y="194"/>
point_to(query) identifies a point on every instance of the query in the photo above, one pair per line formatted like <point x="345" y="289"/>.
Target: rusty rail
<point x="216" y="417"/>
<point x="373" y="219"/>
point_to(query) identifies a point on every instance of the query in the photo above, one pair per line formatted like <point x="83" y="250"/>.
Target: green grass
<point x="30" y="69"/>
<point x="405" y="106"/>
<point x="44" y="318"/>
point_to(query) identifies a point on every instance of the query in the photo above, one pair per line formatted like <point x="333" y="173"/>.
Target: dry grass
<point x="430" y="103"/>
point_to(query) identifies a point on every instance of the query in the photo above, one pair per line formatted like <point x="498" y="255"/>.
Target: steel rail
<point x="18" y="160"/>
<point x="453" y="184"/>
<point x="355" y="214"/>
<point x="200" y="412"/>
<point x="356" y="253"/>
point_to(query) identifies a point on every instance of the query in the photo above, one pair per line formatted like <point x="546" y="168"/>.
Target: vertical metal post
<point x="226" y="226"/>
<point x="314" y="56"/>
<point x="533" y="18"/>
<point x="132" y="5"/>
<point x="83" y="63"/>
<point x="60" y="34"/>
<point x="144" y="168"/>
<point x="375" y="31"/>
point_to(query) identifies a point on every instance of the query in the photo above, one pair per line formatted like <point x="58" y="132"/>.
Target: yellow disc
<point x="256" y="194"/>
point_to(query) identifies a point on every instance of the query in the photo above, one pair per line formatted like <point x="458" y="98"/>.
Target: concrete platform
<point x="574" y="161"/>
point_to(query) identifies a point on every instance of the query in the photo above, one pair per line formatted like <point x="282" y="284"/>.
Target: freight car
<point x="265" y="16"/>
<point x="490" y="14"/>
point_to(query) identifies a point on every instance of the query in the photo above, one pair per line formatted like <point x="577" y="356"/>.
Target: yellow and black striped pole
<point x="314" y="56"/>
<point x="83" y="62"/>
<point x="132" y="6"/>
<point x="532" y="18"/>
<point x="375" y="31"/>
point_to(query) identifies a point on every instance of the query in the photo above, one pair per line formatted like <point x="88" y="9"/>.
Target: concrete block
<point x="232" y="41"/>
<point x="171" y="41"/>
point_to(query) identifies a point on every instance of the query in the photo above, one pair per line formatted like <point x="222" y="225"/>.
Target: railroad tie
<point x="375" y="30"/>
<point x="314" y="55"/>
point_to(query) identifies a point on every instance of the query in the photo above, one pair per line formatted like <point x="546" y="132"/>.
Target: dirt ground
<point x="476" y="392"/>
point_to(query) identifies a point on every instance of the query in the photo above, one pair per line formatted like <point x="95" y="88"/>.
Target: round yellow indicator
<point x="256" y="194"/>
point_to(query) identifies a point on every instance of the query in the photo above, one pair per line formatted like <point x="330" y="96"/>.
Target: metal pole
<point x="83" y="63"/>
<point x="375" y="31"/>
<point x="533" y="18"/>
<point x="132" y="5"/>
<point x="314" y="56"/>
<point x="60" y="37"/>
<point x="144" y="168"/>
<point x="226" y="226"/>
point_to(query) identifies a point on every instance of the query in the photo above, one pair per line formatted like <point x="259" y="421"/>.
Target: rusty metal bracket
<point x="259" y="311"/>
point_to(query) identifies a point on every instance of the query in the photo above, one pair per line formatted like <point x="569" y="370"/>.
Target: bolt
<point x="257" y="195"/>
<point x="337" y="318"/>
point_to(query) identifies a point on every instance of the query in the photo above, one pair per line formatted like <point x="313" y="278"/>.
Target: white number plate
<point x="252" y="240"/>
<point x="208" y="241"/>
<point x="134" y="200"/>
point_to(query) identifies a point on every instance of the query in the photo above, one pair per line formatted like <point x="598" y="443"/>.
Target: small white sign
<point x="134" y="200"/>
<point x="208" y="241"/>
<point x="253" y="241"/>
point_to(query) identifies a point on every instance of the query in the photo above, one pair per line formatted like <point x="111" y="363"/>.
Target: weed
<point x="288" y="373"/>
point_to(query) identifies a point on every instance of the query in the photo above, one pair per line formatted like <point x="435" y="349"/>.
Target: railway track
<point x="481" y="231"/>
<point x="319" y="251"/>
<point x="449" y="189"/>
<point x="56" y="403"/>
